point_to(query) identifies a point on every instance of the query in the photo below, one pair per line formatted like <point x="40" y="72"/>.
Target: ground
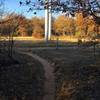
<point x="76" y="69"/>
<point x="21" y="76"/>
<point x="49" y="82"/>
<point x="77" y="72"/>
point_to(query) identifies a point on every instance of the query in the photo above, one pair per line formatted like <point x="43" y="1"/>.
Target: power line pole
<point x="50" y="21"/>
<point x="47" y="4"/>
<point x="48" y="17"/>
<point x="46" y="20"/>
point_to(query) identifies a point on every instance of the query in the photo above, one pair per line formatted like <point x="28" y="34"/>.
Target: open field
<point x="77" y="72"/>
<point x="76" y="69"/>
<point x="52" y="43"/>
<point x="32" y="44"/>
<point x="62" y="41"/>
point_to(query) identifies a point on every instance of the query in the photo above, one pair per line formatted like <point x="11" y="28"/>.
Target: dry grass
<point x="21" y="77"/>
<point x="77" y="73"/>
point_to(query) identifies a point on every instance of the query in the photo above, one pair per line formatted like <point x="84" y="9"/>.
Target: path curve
<point x="49" y="87"/>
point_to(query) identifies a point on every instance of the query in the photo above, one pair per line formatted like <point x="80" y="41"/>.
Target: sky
<point x="14" y="6"/>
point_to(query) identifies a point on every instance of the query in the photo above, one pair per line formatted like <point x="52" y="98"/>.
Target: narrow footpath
<point x="49" y="87"/>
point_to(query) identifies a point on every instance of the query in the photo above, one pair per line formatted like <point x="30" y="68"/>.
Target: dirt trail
<point x="50" y="79"/>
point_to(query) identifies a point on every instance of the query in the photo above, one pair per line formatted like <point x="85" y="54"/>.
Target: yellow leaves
<point x="38" y="29"/>
<point x="37" y="21"/>
<point x="79" y="19"/>
<point x="91" y="26"/>
<point x="63" y="25"/>
<point x="38" y="32"/>
<point x="85" y="26"/>
<point x="22" y="31"/>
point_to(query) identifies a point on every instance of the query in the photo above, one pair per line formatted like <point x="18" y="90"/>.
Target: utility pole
<point x="46" y="20"/>
<point x="47" y="6"/>
<point x="50" y="20"/>
<point x="48" y="17"/>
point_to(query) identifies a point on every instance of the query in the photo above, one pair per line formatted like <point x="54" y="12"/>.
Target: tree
<point x="38" y="27"/>
<point x="10" y="23"/>
<point x="29" y="27"/>
<point x="85" y="27"/>
<point x="87" y="7"/>
<point x="80" y="25"/>
<point x="91" y="27"/>
<point x="38" y="32"/>
<point x="64" y="25"/>
<point x="22" y="27"/>
<point x="60" y="25"/>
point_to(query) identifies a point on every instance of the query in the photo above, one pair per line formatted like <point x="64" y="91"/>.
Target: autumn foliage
<point x="78" y="26"/>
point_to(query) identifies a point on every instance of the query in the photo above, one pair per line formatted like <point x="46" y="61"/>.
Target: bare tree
<point x="8" y="26"/>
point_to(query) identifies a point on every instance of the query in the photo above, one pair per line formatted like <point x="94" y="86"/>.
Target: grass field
<point x="77" y="73"/>
<point x="21" y="76"/>
<point x="77" y="70"/>
<point x="32" y="44"/>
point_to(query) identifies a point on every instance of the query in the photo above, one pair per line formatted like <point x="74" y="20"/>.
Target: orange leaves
<point x="79" y="19"/>
<point x="64" y="25"/>
<point x="37" y="27"/>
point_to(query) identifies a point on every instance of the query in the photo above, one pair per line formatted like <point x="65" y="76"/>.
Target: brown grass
<point x="77" y="73"/>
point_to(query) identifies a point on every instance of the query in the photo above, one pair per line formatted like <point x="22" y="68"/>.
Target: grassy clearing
<point x="77" y="73"/>
<point x="55" y="44"/>
<point x="21" y="77"/>
<point x="32" y="44"/>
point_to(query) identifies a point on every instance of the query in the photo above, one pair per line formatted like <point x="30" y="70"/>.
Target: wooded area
<point x="78" y="26"/>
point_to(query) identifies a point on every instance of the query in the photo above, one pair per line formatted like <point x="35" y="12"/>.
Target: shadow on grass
<point x="51" y="43"/>
<point x="21" y="77"/>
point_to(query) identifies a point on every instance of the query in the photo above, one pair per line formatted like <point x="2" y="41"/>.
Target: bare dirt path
<point x="49" y="87"/>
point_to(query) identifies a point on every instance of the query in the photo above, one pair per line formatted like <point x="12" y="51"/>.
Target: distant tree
<point x="91" y="28"/>
<point x="85" y="27"/>
<point x="9" y="24"/>
<point x="38" y="21"/>
<point x="70" y="23"/>
<point x="38" y="27"/>
<point x="38" y="32"/>
<point x="60" y="25"/>
<point x="29" y="27"/>
<point x="80" y="25"/>
<point x="64" y="25"/>
<point x="22" y="30"/>
<point x="6" y="29"/>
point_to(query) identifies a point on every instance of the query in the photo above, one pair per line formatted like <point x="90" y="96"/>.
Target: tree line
<point x="78" y="26"/>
